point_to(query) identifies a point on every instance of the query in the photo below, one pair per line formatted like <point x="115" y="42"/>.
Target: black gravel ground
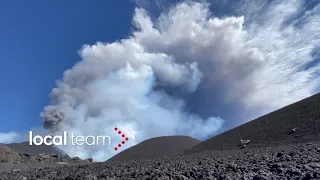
<point x="297" y="161"/>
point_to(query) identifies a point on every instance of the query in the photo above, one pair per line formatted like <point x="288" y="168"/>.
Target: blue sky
<point x="40" y="40"/>
<point x="214" y="66"/>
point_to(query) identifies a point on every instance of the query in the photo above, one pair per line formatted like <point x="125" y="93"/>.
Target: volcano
<point x="295" y="123"/>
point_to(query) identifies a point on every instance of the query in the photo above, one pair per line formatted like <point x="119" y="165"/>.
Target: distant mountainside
<point x="33" y="155"/>
<point x="295" y="123"/>
<point x="156" y="147"/>
<point x="24" y="147"/>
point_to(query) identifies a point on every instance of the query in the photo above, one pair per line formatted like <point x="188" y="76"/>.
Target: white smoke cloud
<point x="259" y="63"/>
<point x="9" y="137"/>
<point x="142" y="84"/>
<point x="124" y="99"/>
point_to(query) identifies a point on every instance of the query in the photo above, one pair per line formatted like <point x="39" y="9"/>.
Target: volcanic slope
<point x="295" y="123"/>
<point x="8" y="155"/>
<point x="24" y="147"/>
<point x="156" y="147"/>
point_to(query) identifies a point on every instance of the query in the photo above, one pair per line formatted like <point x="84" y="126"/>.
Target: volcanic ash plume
<point x="172" y="74"/>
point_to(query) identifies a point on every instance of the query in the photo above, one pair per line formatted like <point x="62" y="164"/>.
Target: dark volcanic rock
<point x="24" y="147"/>
<point x="10" y="156"/>
<point x="156" y="147"/>
<point x="24" y="153"/>
<point x="254" y="163"/>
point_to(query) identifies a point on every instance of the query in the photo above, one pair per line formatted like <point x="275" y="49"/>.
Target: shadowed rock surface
<point x="295" y="123"/>
<point x="12" y="156"/>
<point x="156" y="147"/>
<point x="24" y="147"/>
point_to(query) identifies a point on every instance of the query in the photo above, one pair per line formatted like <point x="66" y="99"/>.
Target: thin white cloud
<point x="147" y="3"/>
<point x="10" y="137"/>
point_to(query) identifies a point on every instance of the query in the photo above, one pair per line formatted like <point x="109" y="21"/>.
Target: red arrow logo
<point x="123" y="136"/>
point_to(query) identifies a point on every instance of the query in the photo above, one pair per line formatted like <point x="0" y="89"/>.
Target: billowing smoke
<point x="178" y="74"/>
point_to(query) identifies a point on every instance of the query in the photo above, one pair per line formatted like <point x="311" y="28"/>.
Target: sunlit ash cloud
<point x="181" y="73"/>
